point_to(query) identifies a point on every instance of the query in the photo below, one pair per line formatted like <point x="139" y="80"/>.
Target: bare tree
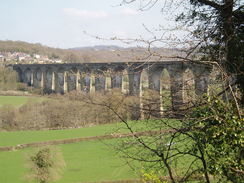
<point x="217" y="38"/>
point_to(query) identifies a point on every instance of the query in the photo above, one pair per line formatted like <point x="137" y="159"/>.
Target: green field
<point x="17" y="101"/>
<point x="85" y="161"/>
<point x="23" y="137"/>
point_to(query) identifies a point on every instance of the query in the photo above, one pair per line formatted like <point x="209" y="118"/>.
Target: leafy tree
<point x="217" y="133"/>
<point x="8" y="79"/>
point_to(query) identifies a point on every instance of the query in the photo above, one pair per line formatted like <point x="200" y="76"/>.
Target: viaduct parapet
<point x="62" y="78"/>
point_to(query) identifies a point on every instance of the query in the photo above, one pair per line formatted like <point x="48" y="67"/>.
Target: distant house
<point x="1" y="58"/>
<point x="20" y="58"/>
<point x="57" y="61"/>
<point x="36" y="56"/>
<point x="40" y="61"/>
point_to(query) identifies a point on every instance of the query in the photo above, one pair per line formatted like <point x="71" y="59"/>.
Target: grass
<point x="12" y="166"/>
<point x="23" y="137"/>
<point x="18" y="101"/>
<point x="85" y="161"/>
<point x="93" y="161"/>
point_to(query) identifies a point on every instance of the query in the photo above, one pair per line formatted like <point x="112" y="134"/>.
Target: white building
<point x="36" y="56"/>
<point x="1" y="58"/>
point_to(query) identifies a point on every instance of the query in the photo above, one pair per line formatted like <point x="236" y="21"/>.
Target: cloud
<point x="85" y="14"/>
<point x="129" y="11"/>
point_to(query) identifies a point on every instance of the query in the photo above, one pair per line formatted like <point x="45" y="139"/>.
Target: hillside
<point x="98" y="53"/>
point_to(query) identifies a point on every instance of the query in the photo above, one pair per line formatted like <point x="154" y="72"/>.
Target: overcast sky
<point x="61" y="23"/>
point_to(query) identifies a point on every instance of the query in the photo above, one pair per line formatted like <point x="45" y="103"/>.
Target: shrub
<point x="46" y="165"/>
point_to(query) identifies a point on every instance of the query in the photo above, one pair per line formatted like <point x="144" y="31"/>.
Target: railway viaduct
<point x="62" y="78"/>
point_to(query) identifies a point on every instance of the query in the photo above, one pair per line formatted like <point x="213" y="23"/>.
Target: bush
<point x="46" y="165"/>
<point x="7" y="116"/>
<point x="217" y="130"/>
<point x="151" y="177"/>
<point x="22" y="87"/>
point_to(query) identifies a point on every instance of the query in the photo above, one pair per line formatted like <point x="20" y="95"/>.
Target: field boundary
<point x="15" y="93"/>
<point x="119" y="181"/>
<point x="81" y="139"/>
<point x="162" y="178"/>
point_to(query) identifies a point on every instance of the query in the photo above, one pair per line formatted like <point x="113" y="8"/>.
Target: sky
<point x="76" y="23"/>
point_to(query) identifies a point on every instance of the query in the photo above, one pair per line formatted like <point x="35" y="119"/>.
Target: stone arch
<point x="48" y="80"/>
<point x="87" y="87"/>
<point x="176" y="85"/>
<point x="59" y="82"/>
<point x="201" y="78"/>
<point x="117" y="76"/>
<point x="134" y="90"/>
<point x="150" y="96"/>
<point x="101" y="79"/>
<point x="71" y="79"/>
<point x="28" y="79"/>
<point x="216" y="84"/>
<point x="165" y="90"/>
<point x="134" y="74"/>
<point x="20" y="74"/>
<point x="153" y="97"/>
<point x="85" y="79"/>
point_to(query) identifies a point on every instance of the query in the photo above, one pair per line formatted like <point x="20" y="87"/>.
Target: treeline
<point x="9" y="82"/>
<point x="52" y="53"/>
<point x="20" y="46"/>
<point x="86" y="54"/>
<point x="8" y="79"/>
